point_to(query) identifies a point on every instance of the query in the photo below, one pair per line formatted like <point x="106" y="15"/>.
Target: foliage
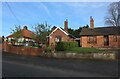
<point x="48" y="49"/>
<point x="76" y="32"/>
<point x="37" y="45"/>
<point x="113" y="15"/>
<point x="24" y="41"/>
<point x="42" y="31"/>
<point x="16" y="32"/>
<point x="13" y="41"/>
<point x="62" y="46"/>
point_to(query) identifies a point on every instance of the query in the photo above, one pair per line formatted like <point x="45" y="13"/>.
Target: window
<point x="58" y="38"/>
<point x="92" y="39"/>
<point x="115" y="38"/>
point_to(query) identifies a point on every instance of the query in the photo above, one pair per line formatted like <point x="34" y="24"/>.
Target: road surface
<point x="22" y="66"/>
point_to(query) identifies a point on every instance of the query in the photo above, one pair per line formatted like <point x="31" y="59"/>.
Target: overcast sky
<point x="55" y="13"/>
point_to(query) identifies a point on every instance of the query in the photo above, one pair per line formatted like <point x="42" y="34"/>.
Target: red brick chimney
<point x="91" y="22"/>
<point x="25" y="27"/>
<point x="66" y="25"/>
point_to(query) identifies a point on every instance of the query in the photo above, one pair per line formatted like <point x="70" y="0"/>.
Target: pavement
<point x="27" y="66"/>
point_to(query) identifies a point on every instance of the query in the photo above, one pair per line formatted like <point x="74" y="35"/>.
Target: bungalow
<point x="100" y="37"/>
<point x="25" y="35"/>
<point x="58" y="34"/>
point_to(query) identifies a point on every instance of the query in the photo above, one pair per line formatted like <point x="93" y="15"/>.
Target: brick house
<point x="24" y="35"/>
<point x="100" y="37"/>
<point x="58" y="34"/>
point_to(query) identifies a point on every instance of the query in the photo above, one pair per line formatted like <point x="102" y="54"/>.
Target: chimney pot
<point x="91" y="22"/>
<point x="25" y="27"/>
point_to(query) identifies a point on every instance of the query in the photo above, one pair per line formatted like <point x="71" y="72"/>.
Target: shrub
<point x="37" y="45"/>
<point x="48" y="49"/>
<point x="73" y="44"/>
<point x="63" y="46"/>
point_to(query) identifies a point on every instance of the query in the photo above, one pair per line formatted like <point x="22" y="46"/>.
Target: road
<point x="22" y="66"/>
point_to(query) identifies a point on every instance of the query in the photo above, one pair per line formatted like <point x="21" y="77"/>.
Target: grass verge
<point x="83" y="50"/>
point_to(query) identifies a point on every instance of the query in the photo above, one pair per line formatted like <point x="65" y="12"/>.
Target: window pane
<point x="92" y="39"/>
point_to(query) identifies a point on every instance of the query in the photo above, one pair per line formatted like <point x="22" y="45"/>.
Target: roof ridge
<point x="60" y="29"/>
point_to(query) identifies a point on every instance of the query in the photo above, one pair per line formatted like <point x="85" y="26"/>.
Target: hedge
<point x="63" y="46"/>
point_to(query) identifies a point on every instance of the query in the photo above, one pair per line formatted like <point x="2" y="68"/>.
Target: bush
<point x="73" y="44"/>
<point x="60" y="46"/>
<point x="48" y="49"/>
<point x="63" y="46"/>
<point x="37" y="45"/>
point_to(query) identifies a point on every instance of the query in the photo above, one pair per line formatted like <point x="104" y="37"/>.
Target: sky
<point x="55" y="13"/>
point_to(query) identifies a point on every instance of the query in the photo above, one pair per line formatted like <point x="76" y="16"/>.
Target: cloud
<point x="45" y="9"/>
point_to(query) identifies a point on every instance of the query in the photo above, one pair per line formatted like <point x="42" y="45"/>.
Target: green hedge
<point x="63" y="46"/>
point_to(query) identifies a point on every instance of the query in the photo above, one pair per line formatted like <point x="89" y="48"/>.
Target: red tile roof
<point x="25" y="33"/>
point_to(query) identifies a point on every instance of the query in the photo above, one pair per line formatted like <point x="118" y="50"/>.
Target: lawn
<point x="84" y="50"/>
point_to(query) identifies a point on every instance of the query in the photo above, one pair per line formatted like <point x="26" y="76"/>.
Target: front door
<point x="106" y="40"/>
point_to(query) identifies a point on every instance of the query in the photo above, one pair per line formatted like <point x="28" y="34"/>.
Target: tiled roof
<point x="25" y="33"/>
<point x="71" y="36"/>
<point x="61" y="29"/>
<point x="101" y="31"/>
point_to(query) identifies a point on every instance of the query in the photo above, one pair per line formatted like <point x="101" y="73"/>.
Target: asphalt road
<point x="22" y="66"/>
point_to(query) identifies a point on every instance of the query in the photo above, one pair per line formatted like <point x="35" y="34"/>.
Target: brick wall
<point x="84" y="42"/>
<point x="22" y="50"/>
<point x="100" y="42"/>
<point x="112" y="43"/>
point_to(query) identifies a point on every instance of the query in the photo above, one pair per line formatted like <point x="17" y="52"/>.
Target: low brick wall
<point x="103" y="56"/>
<point x="22" y="50"/>
<point x="106" y="56"/>
<point x="111" y="56"/>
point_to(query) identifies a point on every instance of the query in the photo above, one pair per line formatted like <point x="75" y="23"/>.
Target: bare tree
<point x="113" y="17"/>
